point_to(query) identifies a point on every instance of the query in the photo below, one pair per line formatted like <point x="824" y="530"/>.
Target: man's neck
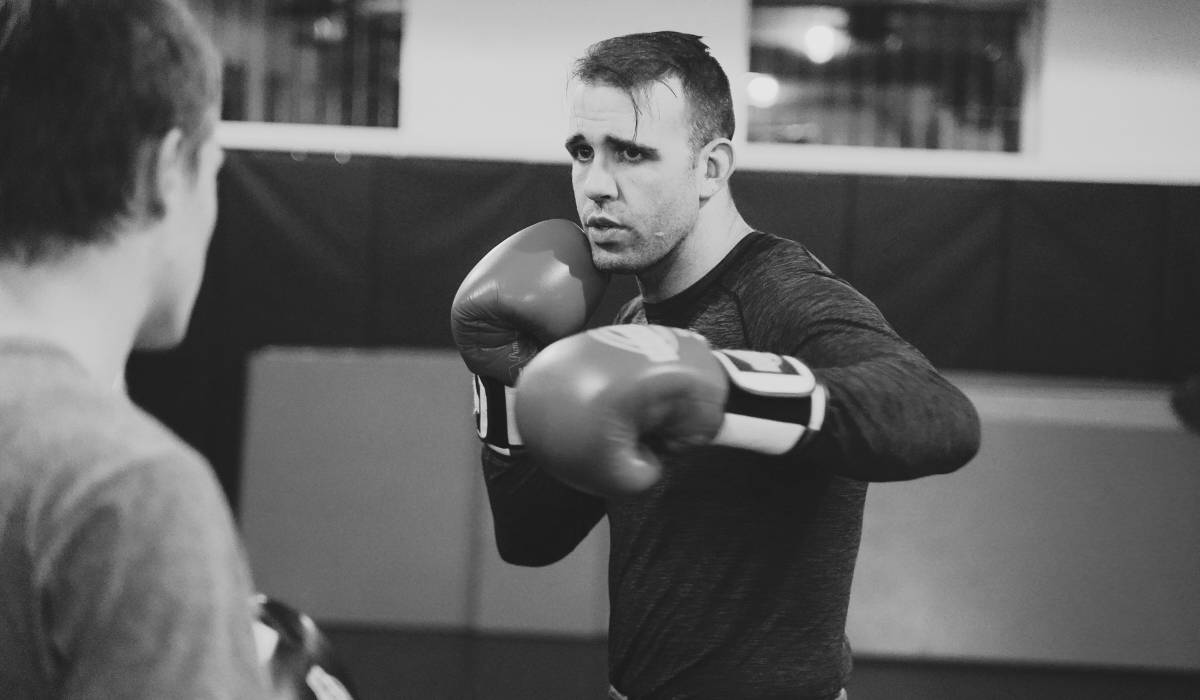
<point x="77" y="304"/>
<point x="717" y="231"/>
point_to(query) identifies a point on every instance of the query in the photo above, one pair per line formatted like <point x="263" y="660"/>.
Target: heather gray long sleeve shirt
<point x="731" y="577"/>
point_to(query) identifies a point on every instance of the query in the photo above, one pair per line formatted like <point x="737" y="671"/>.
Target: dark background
<point x="1089" y="280"/>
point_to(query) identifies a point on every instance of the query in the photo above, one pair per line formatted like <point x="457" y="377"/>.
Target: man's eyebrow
<point x="619" y="144"/>
<point x="614" y="143"/>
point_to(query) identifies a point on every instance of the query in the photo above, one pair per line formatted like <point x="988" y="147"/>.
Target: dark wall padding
<point x="1181" y="299"/>
<point x="813" y="209"/>
<point x="930" y="253"/>
<point x="1086" y="274"/>
<point x="1091" y="280"/>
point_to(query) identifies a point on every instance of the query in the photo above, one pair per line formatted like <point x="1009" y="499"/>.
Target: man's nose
<point x="598" y="183"/>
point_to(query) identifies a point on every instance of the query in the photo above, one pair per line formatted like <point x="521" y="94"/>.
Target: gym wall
<point x="320" y="380"/>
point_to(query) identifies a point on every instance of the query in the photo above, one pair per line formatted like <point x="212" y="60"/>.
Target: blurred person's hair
<point x="88" y="88"/>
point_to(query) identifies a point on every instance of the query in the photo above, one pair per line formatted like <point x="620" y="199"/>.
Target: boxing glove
<point x="598" y="409"/>
<point x="298" y="657"/>
<point x="535" y="287"/>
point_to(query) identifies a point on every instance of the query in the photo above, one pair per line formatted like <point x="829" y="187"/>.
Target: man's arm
<point x="893" y="418"/>
<point x="889" y="414"/>
<point x="535" y="287"/>
<point x="538" y="519"/>
<point x="601" y="407"/>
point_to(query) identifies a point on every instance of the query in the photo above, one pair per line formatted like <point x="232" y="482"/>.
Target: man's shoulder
<point x="65" y="440"/>
<point x="772" y="265"/>
<point x="767" y="249"/>
<point x="68" y="417"/>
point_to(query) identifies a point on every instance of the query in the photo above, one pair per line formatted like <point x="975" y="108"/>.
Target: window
<point x="929" y="74"/>
<point x="309" y="61"/>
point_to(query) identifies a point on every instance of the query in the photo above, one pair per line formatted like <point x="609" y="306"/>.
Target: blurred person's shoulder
<point x="64" y="437"/>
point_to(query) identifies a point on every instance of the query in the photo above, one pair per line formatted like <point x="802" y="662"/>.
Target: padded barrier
<point x="1071" y="538"/>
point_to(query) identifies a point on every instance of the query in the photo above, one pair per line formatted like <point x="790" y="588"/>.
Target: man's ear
<point x="167" y="171"/>
<point x="715" y="167"/>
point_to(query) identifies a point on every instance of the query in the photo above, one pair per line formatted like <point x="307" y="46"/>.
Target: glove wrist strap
<point x="775" y="402"/>
<point x="495" y="422"/>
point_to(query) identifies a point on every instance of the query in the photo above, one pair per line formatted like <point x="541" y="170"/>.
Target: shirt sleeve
<point x="145" y="588"/>
<point x="538" y="519"/>
<point x="890" y="414"/>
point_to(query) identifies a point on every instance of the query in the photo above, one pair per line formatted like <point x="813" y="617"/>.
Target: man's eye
<point x="631" y="155"/>
<point x="581" y="153"/>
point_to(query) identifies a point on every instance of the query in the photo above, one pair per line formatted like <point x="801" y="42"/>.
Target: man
<point x="733" y="479"/>
<point x="121" y="574"/>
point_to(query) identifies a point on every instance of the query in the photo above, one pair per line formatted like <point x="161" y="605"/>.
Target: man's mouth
<point x="604" y="232"/>
<point x="601" y="222"/>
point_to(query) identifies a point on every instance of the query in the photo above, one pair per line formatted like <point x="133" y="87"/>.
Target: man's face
<point x="187" y="227"/>
<point x="634" y="172"/>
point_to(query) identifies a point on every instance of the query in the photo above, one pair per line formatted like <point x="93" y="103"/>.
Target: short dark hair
<point x="634" y="60"/>
<point x="85" y="86"/>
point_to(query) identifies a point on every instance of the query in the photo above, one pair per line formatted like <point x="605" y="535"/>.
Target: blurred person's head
<point x="107" y="117"/>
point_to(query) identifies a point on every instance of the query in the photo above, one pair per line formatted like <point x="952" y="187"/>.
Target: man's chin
<point x="606" y="261"/>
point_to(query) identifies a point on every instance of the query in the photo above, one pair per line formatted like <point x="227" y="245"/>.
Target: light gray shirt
<point x="121" y="573"/>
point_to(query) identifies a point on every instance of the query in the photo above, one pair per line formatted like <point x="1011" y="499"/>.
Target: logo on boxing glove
<point x="767" y="374"/>
<point x="655" y="343"/>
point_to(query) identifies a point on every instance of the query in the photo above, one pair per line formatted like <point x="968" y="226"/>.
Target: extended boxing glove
<point x="535" y="287"/>
<point x="598" y="409"/>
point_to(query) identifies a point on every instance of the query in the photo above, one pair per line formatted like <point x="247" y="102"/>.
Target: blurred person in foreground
<point x="121" y="571"/>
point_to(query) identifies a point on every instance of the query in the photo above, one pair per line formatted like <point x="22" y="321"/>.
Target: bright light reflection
<point x="820" y="43"/>
<point x="762" y="90"/>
